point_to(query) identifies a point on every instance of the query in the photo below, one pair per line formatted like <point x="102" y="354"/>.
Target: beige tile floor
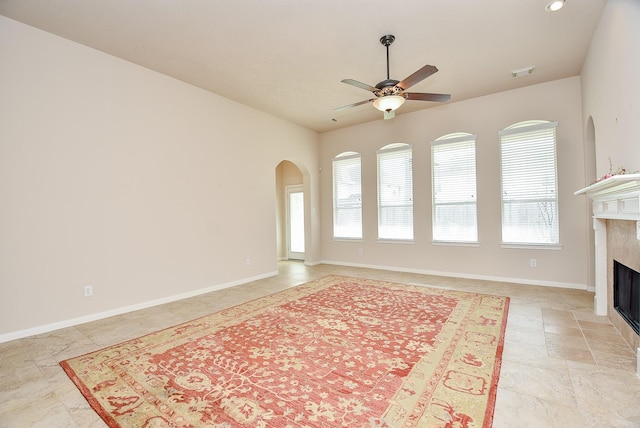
<point x="562" y="366"/>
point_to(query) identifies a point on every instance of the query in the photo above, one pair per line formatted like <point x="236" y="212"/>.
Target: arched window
<point x="453" y="168"/>
<point x="529" y="183"/>
<point x="347" y="196"/>
<point x="395" y="192"/>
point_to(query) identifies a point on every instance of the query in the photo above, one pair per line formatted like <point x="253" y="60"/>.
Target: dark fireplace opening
<point x="626" y="294"/>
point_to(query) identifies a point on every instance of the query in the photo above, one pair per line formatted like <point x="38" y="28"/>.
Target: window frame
<point x="385" y="210"/>
<point x="339" y="159"/>
<point x="455" y="141"/>
<point x="522" y="133"/>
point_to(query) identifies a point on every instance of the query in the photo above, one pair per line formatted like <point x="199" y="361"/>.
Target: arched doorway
<point x="290" y="212"/>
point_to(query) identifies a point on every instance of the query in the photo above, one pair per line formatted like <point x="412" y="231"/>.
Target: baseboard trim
<point x="125" y="309"/>
<point x="522" y="281"/>
<point x="156" y="302"/>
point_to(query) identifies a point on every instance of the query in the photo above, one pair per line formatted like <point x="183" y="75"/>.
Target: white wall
<point x="485" y="116"/>
<point x="118" y="177"/>
<point x="611" y="87"/>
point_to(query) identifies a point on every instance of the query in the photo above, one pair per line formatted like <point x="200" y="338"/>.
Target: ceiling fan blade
<point x="419" y="75"/>
<point x="353" y="105"/>
<point x="359" y="85"/>
<point x="418" y="96"/>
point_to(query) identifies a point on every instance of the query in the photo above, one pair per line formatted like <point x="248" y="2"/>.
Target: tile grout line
<point x="595" y="360"/>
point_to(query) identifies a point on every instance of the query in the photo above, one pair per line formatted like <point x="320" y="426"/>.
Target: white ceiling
<point x="287" y="57"/>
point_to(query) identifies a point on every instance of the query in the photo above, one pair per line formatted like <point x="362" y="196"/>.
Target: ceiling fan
<point x="390" y="94"/>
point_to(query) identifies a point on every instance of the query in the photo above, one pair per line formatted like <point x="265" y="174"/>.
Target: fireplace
<point x="616" y="224"/>
<point x="626" y="294"/>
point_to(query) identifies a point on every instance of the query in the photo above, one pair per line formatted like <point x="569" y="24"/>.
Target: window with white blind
<point x="395" y="192"/>
<point x="347" y="196"/>
<point x="453" y="168"/>
<point x="529" y="183"/>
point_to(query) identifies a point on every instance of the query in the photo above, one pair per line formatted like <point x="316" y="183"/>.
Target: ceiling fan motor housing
<point x="388" y="87"/>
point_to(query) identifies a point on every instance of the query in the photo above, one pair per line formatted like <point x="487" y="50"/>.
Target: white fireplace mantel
<point x="616" y="198"/>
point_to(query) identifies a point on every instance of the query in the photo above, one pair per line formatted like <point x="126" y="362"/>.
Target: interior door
<point x="295" y="222"/>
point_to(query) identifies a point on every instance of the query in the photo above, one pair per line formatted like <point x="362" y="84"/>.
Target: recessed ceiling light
<point x="522" y="72"/>
<point x="555" y="5"/>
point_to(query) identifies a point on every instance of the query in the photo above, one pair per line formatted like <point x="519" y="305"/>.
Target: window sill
<point x="554" y="247"/>
<point x="396" y="241"/>
<point x="456" y="243"/>
<point x="348" y="239"/>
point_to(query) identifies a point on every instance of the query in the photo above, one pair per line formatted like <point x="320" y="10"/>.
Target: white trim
<point x="522" y="281"/>
<point x="460" y="139"/>
<point x="456" y="243"/>
<point x="528" y="128"/>
<point x="616" y="198"/>
<point x="555" y="247"/>
<point x="395" y="241"/>
<point x="396" y="147"/>
<point x="348" y="155"/>
<point x="612" y="186"/>
<point x="125" y="309"/>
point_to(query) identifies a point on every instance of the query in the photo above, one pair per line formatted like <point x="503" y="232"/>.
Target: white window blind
<point x="453" y="166"/>
<point x="395" y="192"/>
<point x="347" y="196"/>
<point x="529" y="183"/>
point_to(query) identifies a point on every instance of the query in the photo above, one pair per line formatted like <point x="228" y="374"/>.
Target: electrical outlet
<point x="247" y="262"/>
<point x="360" y="250"/>
<point x="533" y="263"/>
<point x="88" y="290"/>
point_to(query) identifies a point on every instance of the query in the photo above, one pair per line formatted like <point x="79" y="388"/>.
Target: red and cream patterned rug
<point x="334" y="352"/>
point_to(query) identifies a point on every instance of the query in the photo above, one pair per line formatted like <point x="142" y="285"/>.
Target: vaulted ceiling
<point x="288" y="57"/>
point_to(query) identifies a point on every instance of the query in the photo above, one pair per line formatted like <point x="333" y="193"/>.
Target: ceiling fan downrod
<point x="386" y="40"/>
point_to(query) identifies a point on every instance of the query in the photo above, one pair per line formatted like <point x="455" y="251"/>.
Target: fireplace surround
<point x="616" y="222"/>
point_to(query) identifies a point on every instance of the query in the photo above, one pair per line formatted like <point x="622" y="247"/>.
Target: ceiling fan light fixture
<point x="555" y="5"/>
<point x="388" y="103"/>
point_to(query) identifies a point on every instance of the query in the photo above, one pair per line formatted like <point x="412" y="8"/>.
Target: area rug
<point x="334" y="352"/>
